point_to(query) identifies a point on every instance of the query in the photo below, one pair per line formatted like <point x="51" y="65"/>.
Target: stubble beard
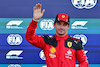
<point x="61" y="34"/>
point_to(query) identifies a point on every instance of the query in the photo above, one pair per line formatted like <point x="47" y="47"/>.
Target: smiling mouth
<point x="61" y="30"/>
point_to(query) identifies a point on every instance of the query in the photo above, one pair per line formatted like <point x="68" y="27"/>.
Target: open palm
<point x="37" y="14"/>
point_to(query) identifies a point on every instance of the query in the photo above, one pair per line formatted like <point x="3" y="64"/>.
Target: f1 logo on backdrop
<point x="80" y="4"/>
<point x="14" y="65"/>
<point x="14" y="54"/>
<point x="47" y="24"/>
<point x="79" y="25"/>
<point x="14" y="24"/>
<point x="14" y="39"/>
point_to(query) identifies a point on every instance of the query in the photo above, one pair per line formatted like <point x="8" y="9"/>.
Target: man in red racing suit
<point x="60" y="50"/>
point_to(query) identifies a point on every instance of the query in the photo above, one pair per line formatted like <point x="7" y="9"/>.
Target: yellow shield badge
<point x="63" y="16"/>
<point x="69" y="44"/>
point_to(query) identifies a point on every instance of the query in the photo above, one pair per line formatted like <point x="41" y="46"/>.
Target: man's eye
<point x="65" y="24"/>
<point x="59" y="23"/>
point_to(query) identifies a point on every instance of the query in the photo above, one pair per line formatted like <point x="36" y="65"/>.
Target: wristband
<point x="35" y="20"/>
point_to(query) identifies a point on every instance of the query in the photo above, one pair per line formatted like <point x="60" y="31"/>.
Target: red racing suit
<point x="59" y="51"/>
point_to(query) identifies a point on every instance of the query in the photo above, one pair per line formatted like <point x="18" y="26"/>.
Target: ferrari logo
<point x="69" y="44"/>
<point x="63" y="16"/>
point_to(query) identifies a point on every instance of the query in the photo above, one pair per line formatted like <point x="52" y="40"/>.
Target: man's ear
<point x="68" y="26"/>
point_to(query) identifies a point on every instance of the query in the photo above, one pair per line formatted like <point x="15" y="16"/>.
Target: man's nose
<point x="61" y="26"/>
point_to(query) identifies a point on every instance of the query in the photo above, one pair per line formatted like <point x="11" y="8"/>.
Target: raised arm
<point x="30" y="35"/>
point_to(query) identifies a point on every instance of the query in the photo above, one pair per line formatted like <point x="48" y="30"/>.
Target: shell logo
<point x="52" y="50"/>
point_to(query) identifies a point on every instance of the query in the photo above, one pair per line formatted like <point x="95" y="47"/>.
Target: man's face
<point x="61" y="28"/>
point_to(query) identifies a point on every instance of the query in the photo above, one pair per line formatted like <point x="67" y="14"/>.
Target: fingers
<point x="38" y="6"/>
<point x="43" y="11"/>
<point x="37" y="9"/>
<point x="33" y="8"/>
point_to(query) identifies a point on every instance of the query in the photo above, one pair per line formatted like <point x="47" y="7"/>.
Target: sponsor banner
<point x="37" y="65"/>
<point x="45" y="26"/>
<point x="81" y="4"/>
<point x="15" y="16"/>
<point x="20" y="56"/>
<point x="33" y="56"/>
<point x="14" y="65"/>
<point x="15" y="49"/>
<point x="22" y="65"/>
<point x="74" y="8"/>
<point x="6" y="40"/>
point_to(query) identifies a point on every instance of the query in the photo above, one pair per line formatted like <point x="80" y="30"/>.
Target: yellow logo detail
<point x="63" y="16"/>
<point x="53" y="50"/>
<point x="69" y="44"/>
<point x="51" y="57"/>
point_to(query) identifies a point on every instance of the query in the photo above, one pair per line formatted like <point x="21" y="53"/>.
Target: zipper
<point x="61" y="64"/>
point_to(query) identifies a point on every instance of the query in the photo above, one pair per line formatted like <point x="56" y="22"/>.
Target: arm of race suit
<point x="32" y="38"/>
<point x="81" y="56"/>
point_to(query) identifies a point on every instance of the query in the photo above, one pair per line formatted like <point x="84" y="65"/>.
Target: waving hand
<point x="37" y="13"/>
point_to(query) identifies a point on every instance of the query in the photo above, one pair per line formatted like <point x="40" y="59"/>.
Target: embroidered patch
<point x="69" y="44"/>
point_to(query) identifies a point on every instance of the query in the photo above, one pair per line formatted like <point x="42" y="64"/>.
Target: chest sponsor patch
<point x="69" y="44"/>
<point x="52" y="52"/>
<point x="68" y="54"/>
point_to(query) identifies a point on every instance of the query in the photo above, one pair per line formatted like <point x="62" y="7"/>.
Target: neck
<point x="61" y="37"/>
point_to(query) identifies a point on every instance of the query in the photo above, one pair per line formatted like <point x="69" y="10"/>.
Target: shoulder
<point x="50" y="40"/>
<point x="48" y="36"/>
<point x="77" y="43"/>
<point x="74" y="39"/>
